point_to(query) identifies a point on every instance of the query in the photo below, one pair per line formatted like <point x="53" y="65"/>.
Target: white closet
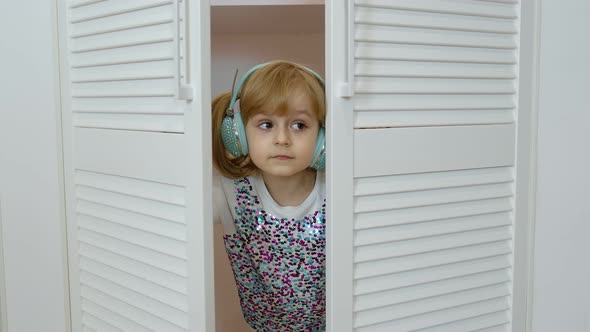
<point x="422" y="127"/>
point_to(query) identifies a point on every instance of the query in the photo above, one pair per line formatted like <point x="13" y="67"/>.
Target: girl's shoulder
<point x="321" y="176"/>
<point x="229" y="184"/>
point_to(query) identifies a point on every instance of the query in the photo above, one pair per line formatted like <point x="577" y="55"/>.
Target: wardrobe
<point x="427" y="136"/>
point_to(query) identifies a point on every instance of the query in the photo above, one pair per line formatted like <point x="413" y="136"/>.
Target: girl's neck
<point x="290" y="190"/>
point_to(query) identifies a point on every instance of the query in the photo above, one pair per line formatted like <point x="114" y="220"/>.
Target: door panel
<point x="135" y="145"/>
<point x="427" y="243"/>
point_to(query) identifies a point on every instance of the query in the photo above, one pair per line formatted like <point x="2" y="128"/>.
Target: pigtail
<point x="228" y="166"/>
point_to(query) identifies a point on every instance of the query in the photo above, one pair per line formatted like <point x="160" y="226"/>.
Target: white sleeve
<point x="221" y="209"/>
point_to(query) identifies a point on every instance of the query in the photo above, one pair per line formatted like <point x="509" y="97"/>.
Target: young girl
<point x="268" y="145"/>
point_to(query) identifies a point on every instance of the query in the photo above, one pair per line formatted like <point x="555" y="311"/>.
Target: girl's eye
<point x="265" y="125"/>
<point x="298" y="125"/>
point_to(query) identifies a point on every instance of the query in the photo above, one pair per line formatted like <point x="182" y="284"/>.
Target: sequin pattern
<point x="278" y="265"/>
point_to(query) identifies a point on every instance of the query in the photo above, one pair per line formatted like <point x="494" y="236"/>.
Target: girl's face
<point x="283" y="145"/>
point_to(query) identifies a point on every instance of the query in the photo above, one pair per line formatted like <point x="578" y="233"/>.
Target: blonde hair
<point x="266" y="90"/>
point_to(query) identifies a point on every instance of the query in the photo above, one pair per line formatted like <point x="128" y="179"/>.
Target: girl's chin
<point x="284" y="172"/>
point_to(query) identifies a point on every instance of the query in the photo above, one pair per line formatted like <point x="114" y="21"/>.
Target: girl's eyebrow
<point x="303" y="111"/>
<point x="296" y="112"/>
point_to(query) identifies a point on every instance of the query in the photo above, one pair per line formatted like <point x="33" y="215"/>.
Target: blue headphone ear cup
<point x="319" y="155"/>
<point x="233" y="135"/>
<point x="229" y="137"/>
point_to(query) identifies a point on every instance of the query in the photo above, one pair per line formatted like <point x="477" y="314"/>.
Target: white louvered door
<point x="136" y="119"/>
<point x="421" y="210"/>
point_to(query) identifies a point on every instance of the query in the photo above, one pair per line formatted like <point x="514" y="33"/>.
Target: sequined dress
<point x="278" y="262"/>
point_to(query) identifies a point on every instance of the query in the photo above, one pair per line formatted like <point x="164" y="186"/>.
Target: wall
<point x="243" y="51"/>
<point x="562" y="263"/>
<point x="30" y="194"/>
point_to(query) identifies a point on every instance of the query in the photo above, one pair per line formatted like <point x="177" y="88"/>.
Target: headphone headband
<point x="234" y="96"/>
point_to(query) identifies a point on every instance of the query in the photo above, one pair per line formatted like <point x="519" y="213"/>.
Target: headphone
<point x="233" y="132"/>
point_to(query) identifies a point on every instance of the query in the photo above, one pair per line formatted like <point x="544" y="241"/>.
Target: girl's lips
<point x="282" y="157"/>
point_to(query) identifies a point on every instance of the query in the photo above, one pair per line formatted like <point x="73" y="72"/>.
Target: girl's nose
<point x="282" y="137"/>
